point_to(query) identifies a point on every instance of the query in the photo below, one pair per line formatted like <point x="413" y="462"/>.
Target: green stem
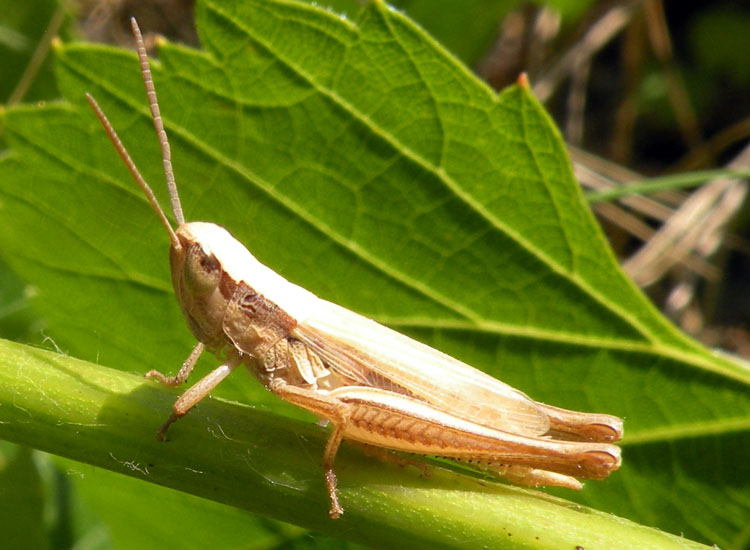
<point x="664" y="183"/>
<point x="270" y="465"/>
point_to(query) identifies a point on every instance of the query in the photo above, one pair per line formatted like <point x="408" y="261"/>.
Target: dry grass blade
<point x="694" y="228"/>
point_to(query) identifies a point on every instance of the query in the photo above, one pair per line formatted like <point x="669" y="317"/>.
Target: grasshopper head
<point x="196" y="271"/>
<point x="196" y="277"/>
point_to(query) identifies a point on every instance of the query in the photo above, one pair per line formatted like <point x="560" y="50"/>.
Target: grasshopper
<point x="373" y="385"/>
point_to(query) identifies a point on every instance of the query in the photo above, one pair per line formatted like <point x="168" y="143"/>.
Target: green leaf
<point x="266" y="464"/>
<point x="361" y="161"/>
<point x="16" y="321"/>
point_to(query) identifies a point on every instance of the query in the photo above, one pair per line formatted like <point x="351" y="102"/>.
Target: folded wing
<point x="369" y="354"/>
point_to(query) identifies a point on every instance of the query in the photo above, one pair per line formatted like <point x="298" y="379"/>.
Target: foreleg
<point x="197" y="391"/>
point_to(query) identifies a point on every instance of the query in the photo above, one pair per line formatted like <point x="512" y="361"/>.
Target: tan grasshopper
<point x="374" y="385"/>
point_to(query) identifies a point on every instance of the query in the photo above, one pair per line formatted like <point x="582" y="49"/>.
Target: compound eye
<point x="202" y="271"/>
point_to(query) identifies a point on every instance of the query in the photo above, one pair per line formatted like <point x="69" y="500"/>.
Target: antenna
<point x="163" y="141"/>
<point x="161" y="133"/>
<point x="133" y="169"/>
